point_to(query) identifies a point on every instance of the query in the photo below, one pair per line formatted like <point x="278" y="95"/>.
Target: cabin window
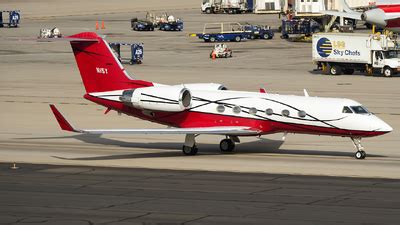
<point x="285" y="112"/>
<point x="346" y="110"/>
<point x="302" y="114"/>
<point x="253" y="111"/>
<point x="359" y="109"/>
<point x="237" y="109"/>
<point x="220" y="108"/>
<point x="269" y="112"/>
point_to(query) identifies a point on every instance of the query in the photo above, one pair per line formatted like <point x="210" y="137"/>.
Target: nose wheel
<point x="360" y="154"/>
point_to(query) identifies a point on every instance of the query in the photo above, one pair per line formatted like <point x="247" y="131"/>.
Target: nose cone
<point x="385" y="127"/>
<point x="381" y="126"/>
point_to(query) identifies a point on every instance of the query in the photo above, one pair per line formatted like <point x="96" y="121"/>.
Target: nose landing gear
<point x="360" y="154"/>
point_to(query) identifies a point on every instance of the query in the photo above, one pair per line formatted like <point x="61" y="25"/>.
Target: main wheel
<point x="335" y="70"/>
<point x="238" y="38"/>
<point x="189" y="150"/>
<point x="360" y="155"/>
<point x="226" y="145"/>
<point x="387" y="72"/>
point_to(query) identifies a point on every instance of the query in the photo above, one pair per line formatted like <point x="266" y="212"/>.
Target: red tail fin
<point x="100" y="69"/>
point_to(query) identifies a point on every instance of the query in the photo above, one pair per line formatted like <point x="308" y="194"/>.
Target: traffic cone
<point x="102" y="25"/>
<point x="214" y="56"/>
<point x="97" y="25"/>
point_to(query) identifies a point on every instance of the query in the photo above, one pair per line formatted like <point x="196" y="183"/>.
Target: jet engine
<point x="158" y="98"/>
<point x="205" y="86"/>
<point x="374" y="16"/>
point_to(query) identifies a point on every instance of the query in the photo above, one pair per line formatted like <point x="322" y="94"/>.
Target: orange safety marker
<point x="97" y="25"/>
<point x="102" y="25"/>
<point x="214" y="56"/>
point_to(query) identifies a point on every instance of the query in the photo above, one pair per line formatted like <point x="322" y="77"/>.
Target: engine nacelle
<point x="205" y="86"/>
<point x="158" y="98"/>
<point x="374" y="16"/>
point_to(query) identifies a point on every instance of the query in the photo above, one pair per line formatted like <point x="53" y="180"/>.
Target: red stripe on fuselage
<point x="395" y="8"/>
<point x="187" y="119"/>
<point x="393" y="23"/>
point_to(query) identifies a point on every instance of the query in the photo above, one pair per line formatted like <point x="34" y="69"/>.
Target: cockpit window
<point x="346" y="110"/>
<point x="359" y="109"/>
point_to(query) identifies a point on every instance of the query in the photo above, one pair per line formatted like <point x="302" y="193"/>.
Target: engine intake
<point x="159" y="98"/>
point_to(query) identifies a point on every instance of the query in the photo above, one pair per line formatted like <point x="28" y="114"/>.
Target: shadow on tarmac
<point x="262" y="145"/>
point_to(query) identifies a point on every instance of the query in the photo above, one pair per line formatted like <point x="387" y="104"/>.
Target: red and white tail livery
<point x="208" y="108"/>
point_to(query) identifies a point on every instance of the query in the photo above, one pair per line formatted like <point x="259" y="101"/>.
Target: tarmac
<point x="35" y="74"/>
<point x="45" y="194"/>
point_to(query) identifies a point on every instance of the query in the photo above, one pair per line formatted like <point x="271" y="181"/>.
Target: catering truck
<point x="226" y="6"/>
<point x="338" y="53"/>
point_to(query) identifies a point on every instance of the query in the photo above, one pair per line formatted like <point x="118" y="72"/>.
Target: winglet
<point x="306" y="93"/>
<point x="262" y="90"/>
<point x="64" y="124"/>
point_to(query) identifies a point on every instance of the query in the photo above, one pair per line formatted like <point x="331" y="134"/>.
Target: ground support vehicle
<point x="226" y="6"/>
<point x="221" y="51"/>
<point x="298" y="27"/>
<point x="10" y="18"/>
<point x="141" y="25"/>
<point x="172" y="26"/>
<point x="258" y="32"/>
<point x="338" y="53"/>
<point x="220" y="32"/>
<point x="136" y="50"/>
<point x="50" y="33"/>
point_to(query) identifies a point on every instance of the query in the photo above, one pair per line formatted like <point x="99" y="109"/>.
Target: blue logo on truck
<point x="324" y="47"/>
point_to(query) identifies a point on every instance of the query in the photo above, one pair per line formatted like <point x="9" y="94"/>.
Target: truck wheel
<point x="265" y="36"/>
<point x="348" y="71"/>
<point x="208" y="10"/>
<point x="335" y="70"/>
<point x="252" y="37"/>
<point x="212" y="39"/>
<point x="387" y="72"/>
<point x="284" y="36"/>
<point x="238" y="38"/>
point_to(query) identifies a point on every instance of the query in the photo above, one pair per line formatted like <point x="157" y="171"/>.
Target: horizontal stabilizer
<point x="64" y="124"/>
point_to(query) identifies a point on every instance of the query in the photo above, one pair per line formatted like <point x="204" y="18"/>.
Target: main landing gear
<point x="226" y="145"/>
<point x="360" y="154"/>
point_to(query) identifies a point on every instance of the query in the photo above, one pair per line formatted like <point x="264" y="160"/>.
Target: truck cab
<point x="387" y="61"/>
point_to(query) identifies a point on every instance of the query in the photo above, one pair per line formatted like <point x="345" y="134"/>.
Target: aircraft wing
<point x="351" y="15"/>
<point x="392" y="17"/>
<point x="233" y="130"/>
